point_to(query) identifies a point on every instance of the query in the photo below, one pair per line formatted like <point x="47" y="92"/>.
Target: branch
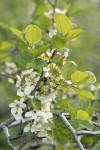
<point x="5" y="130"/>
<point x="16" y="123"/>
<point x="70" y="128"/>
<point x="95" y="123"/>
<point x="83" y="132"/>
<point x="53" y="7"/>
<point x="8" y="76"/>
<point x="7" y="123"/>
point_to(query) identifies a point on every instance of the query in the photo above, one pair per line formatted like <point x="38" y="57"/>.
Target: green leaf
<point x="4" y="45"/>
<point x="86" y="124"/>
<point x="83" y="115"/>
<point x="82" y="124"/>
<point x="63" y="23"/>
<point x="71" y="111"/>
<point x="60" y="147"/>
<point x="73" y="34"/>
<point x="17" y="33"/>
<point x="91" y="77"/>
<point x="59" y="137"/>
<point x="96" y="147"/>
<point x="38" y="50"/>
<point x="78" y="77"/>
<point x="68" y="68"/>
<point x="4" y="26"/>
<point x="83" y="93"/>
<point x="33" y="34"/>
<point x="58" y="42"/>
<point x="83" y="105"/>
<point x="23" y="58"/>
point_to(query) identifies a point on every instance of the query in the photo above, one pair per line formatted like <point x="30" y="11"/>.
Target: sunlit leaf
<point x="79" y="77"/>
<point x="63" y="23"/>
<point x="83" y="115"/>
<point x="33" y="34"/>
<point x="4" y="45"/>
<point x="73" y="34"/>
<point x="83" y="93"/>
<point x="68" y="68"/>
<point x="91" y="77"/>
<point x="17" y="33"/>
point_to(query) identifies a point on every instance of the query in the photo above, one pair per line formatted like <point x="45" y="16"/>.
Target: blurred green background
<point x="85" y="51"/>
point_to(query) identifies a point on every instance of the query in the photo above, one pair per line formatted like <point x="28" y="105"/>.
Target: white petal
<point x="19" y="93"/>
<point x="28" y="90"/>
<point x="20" y="111"/>
<point x="34" y="116"/>
<point x="14" y="110"/>
<point x="39" y="113"/>
<point x="17" y="117"/>
<point x="49" y="115"/>
<point x="12" y="105"/>
<point x="33" y="129"/>
<point x="42" y="134"/>
<point x="16" y="102"/>
<point x="47" y="74"/>
<point x="28" y="114"/>
<point x="22" y="105"/>
<point x="27" y="128"/>
<point x="38" y="126"/>
<point x="26" y="72"/>
<point x="22" y="100"/>
<point x="31" y="97"/>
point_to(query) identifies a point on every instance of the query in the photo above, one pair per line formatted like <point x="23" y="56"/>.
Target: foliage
<point x="46" y="80"/>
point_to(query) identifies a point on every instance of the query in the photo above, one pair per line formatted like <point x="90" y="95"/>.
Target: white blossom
<point x="48" y="54"/>
<point x="19" y="81"/>
<point x="66" y="54"/>
<point x="52" y="33"/>
<point x="28" y="128"/>
<point x="27" y="72"/>
<point x="49" y="14"/>
<point x="26" y="93"/>
<point x="33" y="114"/>
<point x="46" y="72"/>
<point x="11" y="68"/>
<point x="17" y="106"/>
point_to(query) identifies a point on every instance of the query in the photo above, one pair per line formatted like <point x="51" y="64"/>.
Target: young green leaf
<point x="83" y="93"/>
<point x="91" y="77"/>
<point x="63" y="23"/>
<point x="73" y="34"/>
<point x="83" y="115"/>
<point x="17" y="33"/>
<point x="68" y="68"/>
<point x="33" y="34"/>
<point x="4" y="45"/>
<point x="79" y="77"/>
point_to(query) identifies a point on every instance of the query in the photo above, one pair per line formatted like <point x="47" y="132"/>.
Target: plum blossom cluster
<point x="39" y="108"/>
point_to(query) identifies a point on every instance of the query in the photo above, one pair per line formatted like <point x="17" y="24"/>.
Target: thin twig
<point x="5" y="130"/>
<point x="16" y="123"/>
<point x="7" y="123"/>
<point x="31" y="138"/>
<point x="83" y="132"/>
<point x="8" y="76"/>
